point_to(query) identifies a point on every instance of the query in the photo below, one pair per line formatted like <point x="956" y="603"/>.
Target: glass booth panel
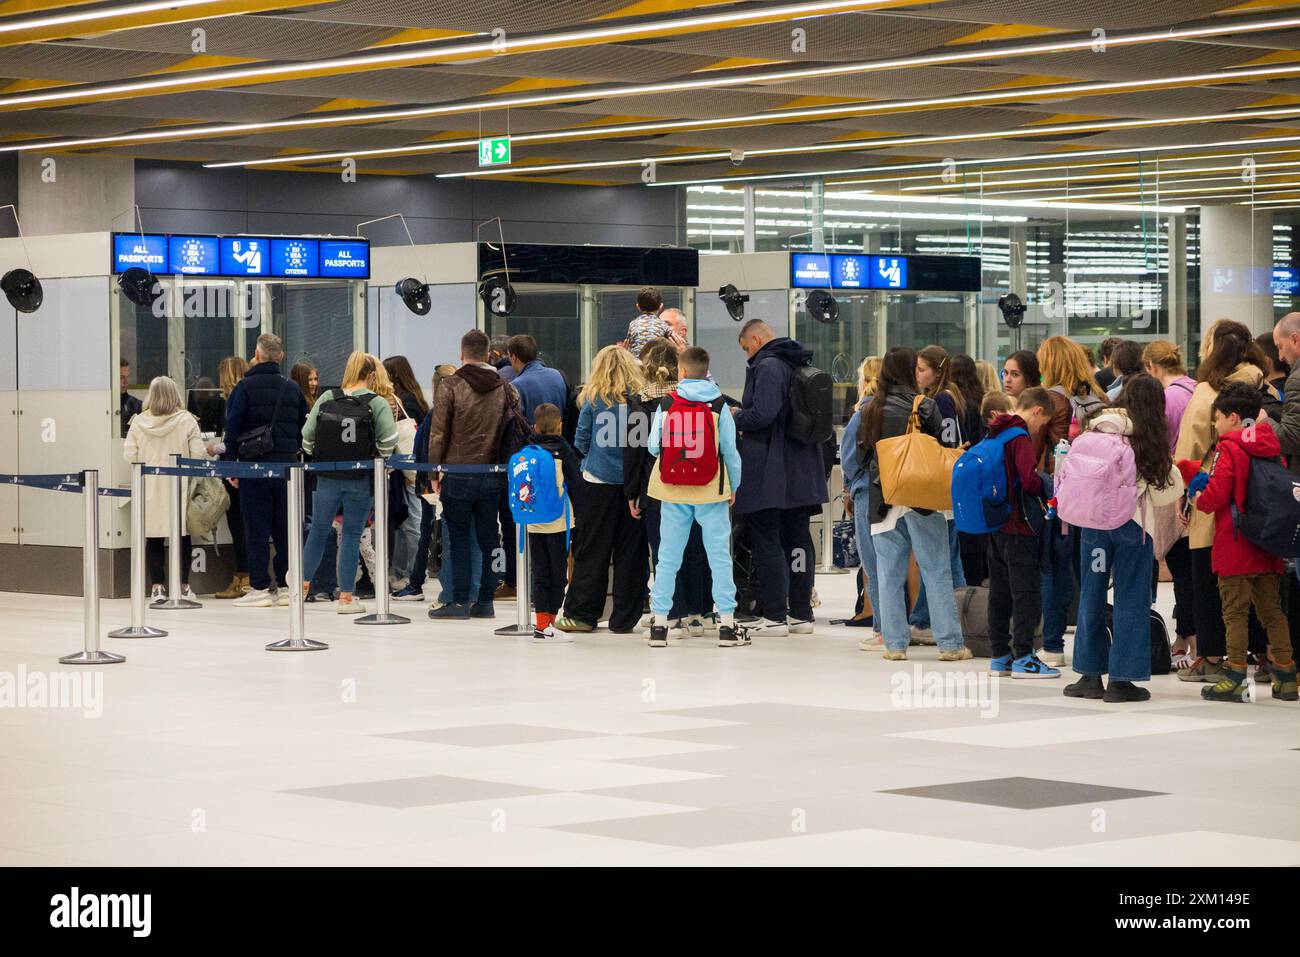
<point x="840" y="347"/>
<point x="616" y="307"/>
<point x="317" y="323"/>
<point x="552" y="316"/>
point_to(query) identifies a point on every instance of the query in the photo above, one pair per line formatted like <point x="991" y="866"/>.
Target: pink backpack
<point x="1097" y="484"/>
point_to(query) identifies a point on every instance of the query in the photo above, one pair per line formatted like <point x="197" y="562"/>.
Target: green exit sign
<point x="494" y="151"/>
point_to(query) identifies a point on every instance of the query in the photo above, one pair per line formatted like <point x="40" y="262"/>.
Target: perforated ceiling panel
<point x="1109" y="14"/>
<point x="78" y="64"/>
<point x="257" y="37"/>
<point x="480" y="15"/>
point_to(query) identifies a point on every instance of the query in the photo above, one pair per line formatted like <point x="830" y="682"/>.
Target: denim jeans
<point x="1060" y="556"/>
<point x="406" y="537"/>
<point x="331" y="494"/>
<point x="867" y="552"/>
<point x="927" y="535"/>
<point x="1125" y="556"/>
<point x="446" y="574"/>
<point x="470" y="503"/>
<point x="920" y="616"/>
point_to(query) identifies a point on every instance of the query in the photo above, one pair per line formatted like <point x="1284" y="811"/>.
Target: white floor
<point x="435" y="743"/>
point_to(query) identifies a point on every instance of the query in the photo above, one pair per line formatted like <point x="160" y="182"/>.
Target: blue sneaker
<point x="1000" y="667"/>
<point x="1031" y="667"/>
<point x="408" y="594"/>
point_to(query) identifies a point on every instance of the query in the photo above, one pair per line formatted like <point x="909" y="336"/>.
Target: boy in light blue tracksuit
<point x="707" y="504"/>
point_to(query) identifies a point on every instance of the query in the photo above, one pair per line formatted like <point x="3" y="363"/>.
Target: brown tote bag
<point x="915" y="470"/>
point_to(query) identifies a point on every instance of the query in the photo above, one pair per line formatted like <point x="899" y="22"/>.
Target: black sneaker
<point x="658" y="636"/>
<point x="482" y="609"/>
<point x="1122" y="691"/>
<point x="451" y="611"/>
<point x="732" y="636"/>
<point x="1088" y="686"/>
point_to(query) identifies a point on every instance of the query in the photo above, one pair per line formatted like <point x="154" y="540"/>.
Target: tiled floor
<point x="443" y="744"/>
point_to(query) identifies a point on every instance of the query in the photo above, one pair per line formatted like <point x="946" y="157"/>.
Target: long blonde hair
<point x="614" y="373"/>
<point x="229" y="371"/>
<point x="867" y="375"/>
<point x="988" y="376"/>
<point x="360" y="371"/>
<point x="1065" y="363"/>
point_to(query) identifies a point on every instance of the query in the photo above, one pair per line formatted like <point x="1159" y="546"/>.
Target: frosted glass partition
<point x="717" y="332"/>
<point x="427" y="341"/>
<point x="65" y="345"/>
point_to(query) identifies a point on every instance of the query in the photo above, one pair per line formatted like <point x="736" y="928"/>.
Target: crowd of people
<point x="1054" y="487"/>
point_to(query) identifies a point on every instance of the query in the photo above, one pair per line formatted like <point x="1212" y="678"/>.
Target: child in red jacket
<point x="1248" y="575"/>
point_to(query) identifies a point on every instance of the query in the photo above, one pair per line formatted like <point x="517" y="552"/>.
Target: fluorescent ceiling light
<point x="1158" y="174"/>
<point x="74" y="15"/>
<point x="803" y="114"/>
<point x="729" y="79"/>
<point x="884" y="141"/>
<point x="1218" y="190"/>
<point x="607" y="33"/>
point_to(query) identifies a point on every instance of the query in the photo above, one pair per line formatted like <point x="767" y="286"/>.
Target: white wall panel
<point x="62" y="432"/>
<point x="427" y="341"/>
<point x="64" y="345"/>
<point x="8" y="465"/>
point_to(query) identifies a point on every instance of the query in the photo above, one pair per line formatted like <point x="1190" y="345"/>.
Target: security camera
<point x="737" y="157"/>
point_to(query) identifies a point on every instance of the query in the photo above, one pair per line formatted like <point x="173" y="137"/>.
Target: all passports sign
<point x="494" y="151"/>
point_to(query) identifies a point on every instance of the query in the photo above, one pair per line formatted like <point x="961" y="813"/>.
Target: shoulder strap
<point x="1183" y="386"/>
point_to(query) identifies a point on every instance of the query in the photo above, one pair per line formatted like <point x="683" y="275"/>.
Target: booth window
<point x="315" y="322"/>
<point x="551" y="316"/>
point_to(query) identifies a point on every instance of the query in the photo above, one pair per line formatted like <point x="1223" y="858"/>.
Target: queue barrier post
<point x="175" y="600"/>
<point x="827" y="566"/>
<point x="523" y="625"/>
<point x="139" y="578"/>
<point x="296" y="640"/>
<point x="91" y="653"/>
<point x="381" y="615"/>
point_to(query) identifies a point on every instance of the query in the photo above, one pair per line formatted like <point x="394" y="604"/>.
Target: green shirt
<point x="380" y="412"/>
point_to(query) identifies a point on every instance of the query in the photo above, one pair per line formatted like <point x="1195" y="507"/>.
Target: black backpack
<point x="1161" y="657"/>
<point x="810" y="417"/>
<point x="1271" y="518"/>
<point x="516" y="431"/>
<point x="345" y="432"/>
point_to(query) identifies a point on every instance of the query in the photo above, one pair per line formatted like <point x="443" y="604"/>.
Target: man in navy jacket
<point x="534" y="380"/>
<point x="783" y="482"/>
<point x="264" y="504"/>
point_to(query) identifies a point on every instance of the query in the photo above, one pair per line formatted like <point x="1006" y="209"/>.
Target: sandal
<point x="573" y="625"/>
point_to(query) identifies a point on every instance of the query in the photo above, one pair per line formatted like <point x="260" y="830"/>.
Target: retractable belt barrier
<point x="60" y="482"/>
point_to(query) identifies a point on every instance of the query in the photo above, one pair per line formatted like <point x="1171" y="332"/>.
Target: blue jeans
<point x="921" y="610"/>
<point x="406" y="537"/>
<point x="446" y="574"/>
<point x="1060" y="571"/>
<point x="469" y="503"/>
<point x="675" y="520"/>
<point x="927" y="535"/>
<point x="331" y="494"/>
<point x="1125" y="556"/>
<point x="867" y="551"/>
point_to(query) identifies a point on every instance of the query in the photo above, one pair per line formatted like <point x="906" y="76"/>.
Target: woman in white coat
<point x="163" y="429"/>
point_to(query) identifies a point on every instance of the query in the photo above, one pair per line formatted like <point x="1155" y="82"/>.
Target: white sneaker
<point x="766" y="628"/>
<point x="256" y="598"/>
<point x="187" y="593"/>
<point x="798" y="627"/>
<point x="711" y="621"/>
<point x="695" y="626"/>
<point x="282" y="597"/>
<point x="352" y="607"/>
<point x="871" y="642"/>
<point x="549" y="636"/>
<point x="157" y="593"/>
<point x="922" y="636"/>
<point x="1055" y="659"/>
<point x="677" y="628"/>
<point x="644" y="623"/>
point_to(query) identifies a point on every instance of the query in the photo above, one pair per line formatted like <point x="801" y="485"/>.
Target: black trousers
<point x="607" y="531"/>
<point x="1211" y="637"/>
<point x="1179" y="560"/>
<point x="508" y="534"/>
<point x="784" y="561"/>
<point x="550" y="561"/>
<point x="265" y="505"/>
<point x="155" y="559"/>
<point x="235" y="519"/>
<point x="1015" y="593"/>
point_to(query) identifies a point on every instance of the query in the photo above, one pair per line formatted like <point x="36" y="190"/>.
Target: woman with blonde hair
<point x="868" y="373"/>
<point x="604" y="526"/>
<point x="162" y="429"/>
<point x="988" y="374"/>
<point x="349" y="491"/>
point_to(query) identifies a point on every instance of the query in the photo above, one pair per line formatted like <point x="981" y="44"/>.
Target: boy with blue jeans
<point x="689" y="417"/>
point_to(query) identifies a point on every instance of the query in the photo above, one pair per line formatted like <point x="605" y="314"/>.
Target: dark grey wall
<point x="176" y="197"/>
<point x="8" y="192"/>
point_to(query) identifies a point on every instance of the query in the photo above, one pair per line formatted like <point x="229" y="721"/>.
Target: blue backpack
<point x="535" y="498"/>
<point x="981" y="503"/>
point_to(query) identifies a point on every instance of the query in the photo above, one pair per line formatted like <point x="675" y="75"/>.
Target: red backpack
<point x="688" y="442"/>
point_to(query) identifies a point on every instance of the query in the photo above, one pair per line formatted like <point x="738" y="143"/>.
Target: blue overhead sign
<point x="1286" y="281"/>
<point x="236" y="257"/>
<point x="863" y="271"/>
<point x="888" y="272"/>
<point x="133" y="249"/>
<point x="810" y="270"/>
<point x="851" y="272"/>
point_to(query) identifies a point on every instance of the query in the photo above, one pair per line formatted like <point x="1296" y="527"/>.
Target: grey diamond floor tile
<point x="418" y="792"/>
<point x="762" y="712"/>
<point x="489" y="735"/>
<point x="710" y="827"/>
<point x="1023" y="793"/>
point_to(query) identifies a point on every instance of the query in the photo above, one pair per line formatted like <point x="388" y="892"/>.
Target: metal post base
<point x="381" y="619"/>
<point x="144" y="631"/>
<point x="175" y="604"/>
<point x="831" y="570"/>
<point x="513" y="631"/>
<point x="297" y="644"/>
<point x="92" y="658"/>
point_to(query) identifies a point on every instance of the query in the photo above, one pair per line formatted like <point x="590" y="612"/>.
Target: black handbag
<point x="260" y="441"/>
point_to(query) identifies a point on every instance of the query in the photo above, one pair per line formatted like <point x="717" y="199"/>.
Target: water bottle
<point x="1058" y="456"/>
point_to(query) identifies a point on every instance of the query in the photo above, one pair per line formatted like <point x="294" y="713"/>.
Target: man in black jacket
<point x="265" y="398"/>
<point x="783" y="482"/>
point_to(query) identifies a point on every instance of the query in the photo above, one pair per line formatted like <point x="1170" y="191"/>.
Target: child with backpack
<point x="1249" y="576"/>
<point x="543" y="478"/>
<point x="1015" y="599"/>
<point x="1122" y="457"/>
<point x="696" y="472"/>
